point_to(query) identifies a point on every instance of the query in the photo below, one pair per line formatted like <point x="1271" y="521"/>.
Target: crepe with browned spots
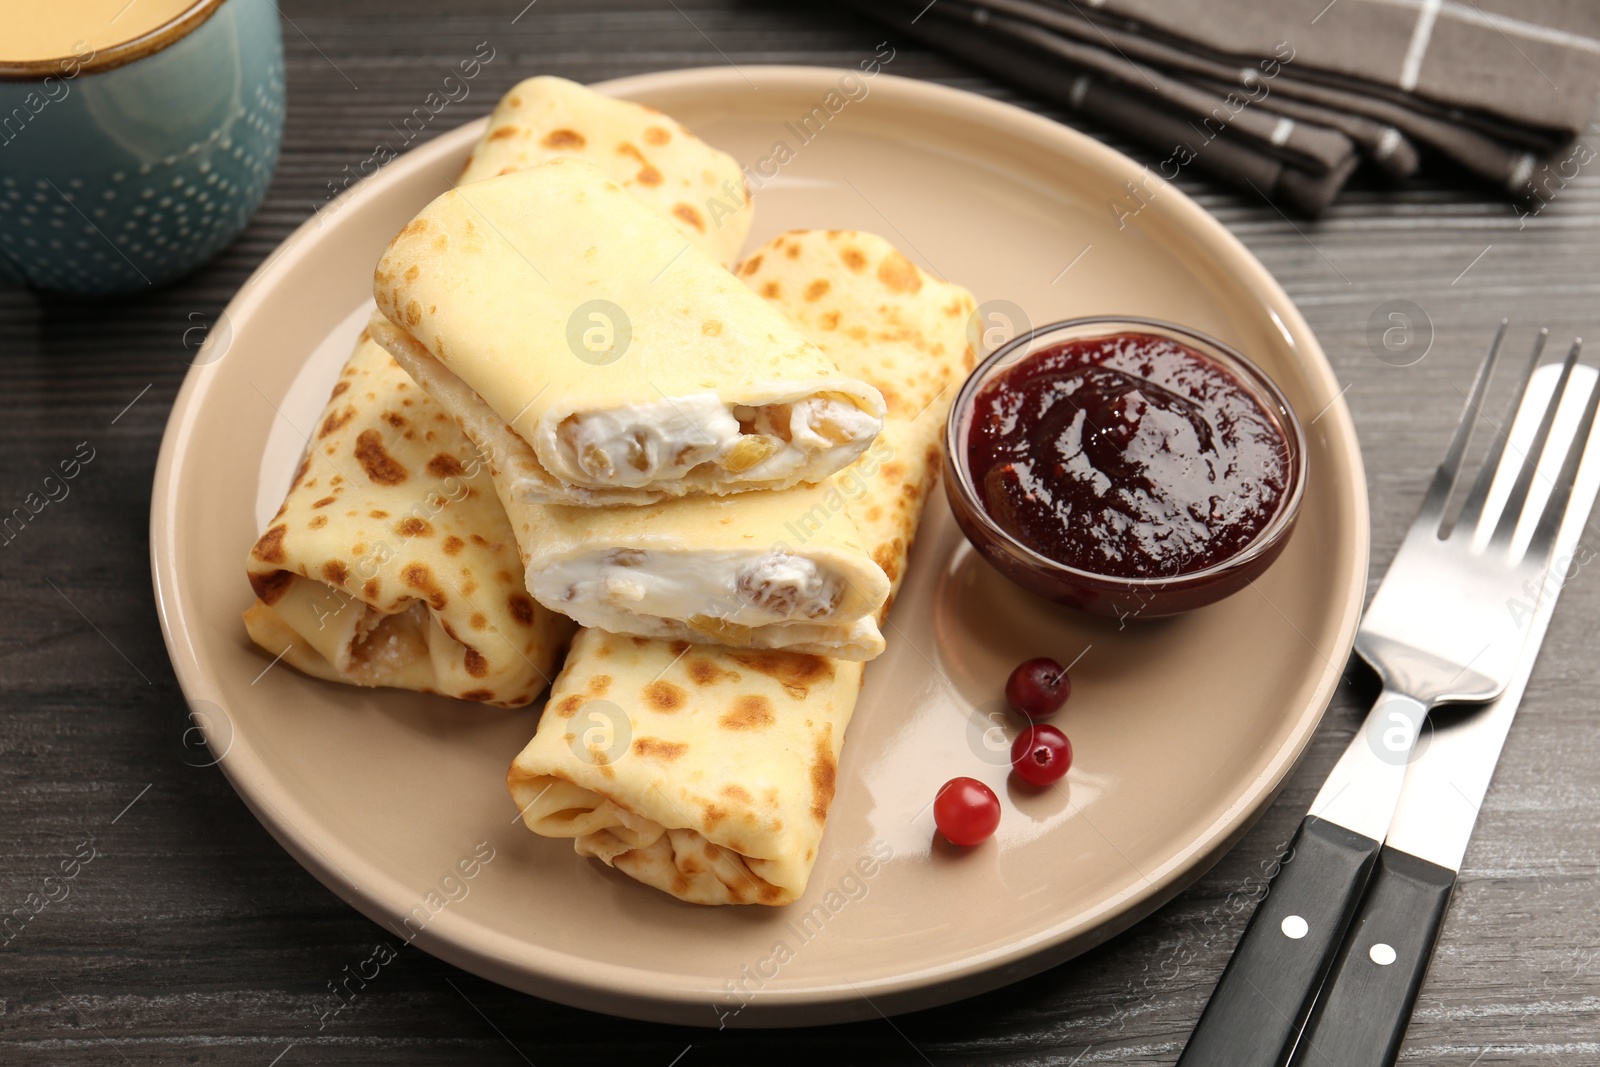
<point x="708" y="772"/>
<point x="703" y="771"/>
<point x="700" y="189"/>
<point x="888" y="322"/>
<point x="391" y="562"/>
<point x="601" y="358"/>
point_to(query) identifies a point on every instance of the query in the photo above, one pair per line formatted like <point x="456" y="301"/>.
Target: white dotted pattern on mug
<point x="148" y="221"/>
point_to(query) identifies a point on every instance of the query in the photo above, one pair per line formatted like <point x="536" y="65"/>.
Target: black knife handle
<point x="1259" y="1005"/>
<point x="1366" y="1005"/>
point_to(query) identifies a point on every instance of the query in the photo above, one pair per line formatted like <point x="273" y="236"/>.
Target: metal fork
<point x="1438" y="630"/>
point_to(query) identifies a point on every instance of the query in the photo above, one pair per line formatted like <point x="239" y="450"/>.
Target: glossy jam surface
<point x="1133" y="456"/>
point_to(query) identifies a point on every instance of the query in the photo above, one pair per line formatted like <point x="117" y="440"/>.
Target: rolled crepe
<point x="782" y="569"/>
<point x="631" y="365"/>
<point x="391" y="562"/>
<point x="715" y="570"/>
<point x="708" y="772"/>
<point x="698" y="188"/>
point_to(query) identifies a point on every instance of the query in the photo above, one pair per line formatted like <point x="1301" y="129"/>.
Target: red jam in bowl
<point x="1133" y="456"/>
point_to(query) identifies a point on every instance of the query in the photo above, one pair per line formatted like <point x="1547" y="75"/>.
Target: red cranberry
<point x="1038" y="687"/>
<point x="966" y="811"/>
<point x="1041" y="754"/>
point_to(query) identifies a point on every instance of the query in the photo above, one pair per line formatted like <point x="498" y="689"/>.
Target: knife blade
<point x="1362" y="1012"/>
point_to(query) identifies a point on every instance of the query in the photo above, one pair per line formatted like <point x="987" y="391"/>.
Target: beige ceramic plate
<point x="1183" y="729"/>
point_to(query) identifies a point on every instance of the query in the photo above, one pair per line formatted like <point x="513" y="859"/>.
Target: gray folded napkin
<point x="1288" y="98"/>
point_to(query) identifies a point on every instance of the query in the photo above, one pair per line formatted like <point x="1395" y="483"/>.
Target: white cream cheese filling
<point x="705" y="590"/>
<point x="638" y="445"/>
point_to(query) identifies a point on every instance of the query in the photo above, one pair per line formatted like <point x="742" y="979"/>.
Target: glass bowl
<point x="1103" y="594"/>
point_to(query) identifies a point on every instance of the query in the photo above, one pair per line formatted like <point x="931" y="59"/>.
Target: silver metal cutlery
<point x="1362" y="1011"/>
<point x="1440" y="629"/>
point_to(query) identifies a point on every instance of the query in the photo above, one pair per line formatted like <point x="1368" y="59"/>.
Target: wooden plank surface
<point x="193" y="938"/>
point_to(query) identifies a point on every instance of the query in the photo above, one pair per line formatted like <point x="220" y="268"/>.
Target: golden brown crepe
<point x="707" y="772"/>
<point x="698" y="188"/>
<point x="391" y="562"/>
<point x="629" y="364"/>
<point x="701" y="569"/>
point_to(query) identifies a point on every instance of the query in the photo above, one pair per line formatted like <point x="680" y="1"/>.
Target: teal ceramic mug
<point x="127" y="164"/>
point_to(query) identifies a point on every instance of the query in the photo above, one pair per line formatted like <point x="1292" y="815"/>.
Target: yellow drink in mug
<point x="137" y="137"/>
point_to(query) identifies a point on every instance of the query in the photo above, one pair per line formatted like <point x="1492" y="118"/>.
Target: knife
<point x="1361" y="1015"/>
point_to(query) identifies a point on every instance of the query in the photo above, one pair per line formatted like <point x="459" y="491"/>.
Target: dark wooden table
<point x="193" y="938"/>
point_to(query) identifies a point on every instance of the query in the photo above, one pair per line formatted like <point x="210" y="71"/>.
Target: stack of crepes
<point x="391" y="562"/>
<point x="707" y="771"/>
<point x="717" y="476"/>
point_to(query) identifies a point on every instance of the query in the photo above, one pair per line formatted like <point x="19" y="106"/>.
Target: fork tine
<point x="1555" y="509"/>
<point x="1444" y="479"/>
<point x="1472" y="506"/>
<point x="1518" y="500"/>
